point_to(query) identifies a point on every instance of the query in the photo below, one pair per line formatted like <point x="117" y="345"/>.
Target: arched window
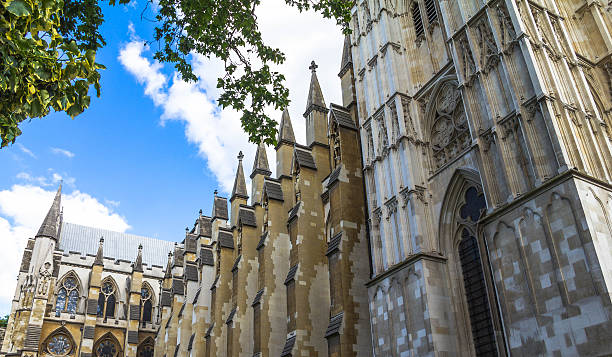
<point x="59" y="343"/>
<point x="107" y="299"/>
<point x="146" y="349"/>
<point x="146" y="306"/>
<point x="67" y="295"/>
<point x="107" y="346"/>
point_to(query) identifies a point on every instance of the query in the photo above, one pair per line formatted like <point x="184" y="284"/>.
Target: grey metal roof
<point x="205" y="226"/>
<point x="291" y="274"/>
<point x="334" y="243"/>
<point x="273" y="190"/>
<point x="191" y="272"/>
<point x="304" y="158"/>
<point x="85" y="240"/>
<point x="246" y="216"/>
<point x="288" y="346"/>
<point x="206" y="256"/>
<point x="334" y="325"/>
<point x="294" y="211"/>
<point x="342" y="116"/>
<point x="178" y="287"/>
<point x="226" y="240"/>
<point x="333" y="177"/>
<point x="220" y="208"/>
<point x="230" y="318"/>
<point x="262" y="240"/>
<point x="258" y="296"/>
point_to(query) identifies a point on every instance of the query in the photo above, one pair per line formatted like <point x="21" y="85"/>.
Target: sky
<point x="148" y="154"/>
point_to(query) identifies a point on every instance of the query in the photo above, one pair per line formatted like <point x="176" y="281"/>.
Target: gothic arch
<point x="469" y="289"/>
<point x="107" y="346"/>
<point x="58" y="343"/>
<point x="109" y="298"/>
<point x="69" y="293"/>
<point x="462" y="179"/>
<point x="147" y="302"/>
<point x="109" y="278"/>
<point x="146" y="348"/>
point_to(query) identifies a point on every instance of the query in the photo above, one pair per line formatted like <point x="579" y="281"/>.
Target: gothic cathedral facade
<point x="486" y="132"/>
<point x="457" y="203"/>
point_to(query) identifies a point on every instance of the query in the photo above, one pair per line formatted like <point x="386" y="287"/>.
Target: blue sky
<point x="148" y="154"/>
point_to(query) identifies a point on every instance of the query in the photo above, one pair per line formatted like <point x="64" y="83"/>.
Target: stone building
<point x="486" y="131"/>
<point x="282" y="275"/>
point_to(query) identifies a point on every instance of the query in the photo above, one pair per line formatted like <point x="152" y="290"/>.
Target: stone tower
<point x="486" y="141"/>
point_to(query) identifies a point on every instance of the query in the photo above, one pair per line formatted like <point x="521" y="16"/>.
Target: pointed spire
<point x="138" y="262"/>
<point x="50" y="225"/>
<point x="169" y="266"/>
<point x="347" y="58"/>
<point x="285" y="131"/>
<point x="260" y="165"/>
<point x="100" y="255"/>
<point x="239" y="189"/>
<point x="315" y="96"/>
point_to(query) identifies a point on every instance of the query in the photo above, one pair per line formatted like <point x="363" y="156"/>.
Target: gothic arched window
<point x="107" y="299"/>
<point x="59" y="344"/>
<point x="146" y="349"/>
<point x="474" y="284"/>
<point x="146" y="305"/>
<point x="67" y="295"/>
<point x="449" y="131"/>
<point x="107" y="346"/>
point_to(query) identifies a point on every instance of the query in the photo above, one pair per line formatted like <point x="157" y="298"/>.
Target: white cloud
<point x="22" y="210"/>
<point x="26" y="151"/>
<point x="60" y="151"/>
<point x="217" y="133"/>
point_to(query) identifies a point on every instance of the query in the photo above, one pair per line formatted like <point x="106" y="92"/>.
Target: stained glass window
<point x="106" y="348"/>
<point x="67" y="296"/>
<point x="145" y="304"/>
<point x="107" y="300"/>
<point x="59" y="345"/>
<point x="145" y="351"/>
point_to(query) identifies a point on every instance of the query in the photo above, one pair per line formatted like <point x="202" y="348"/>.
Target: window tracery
<point x="146" y="349"/>
<point x="146" y="304"/>
<point x="335" y="141"/>
<point x="107" y="300"/>
<point x="67" y="295"/>
<point x="419" y="29"/>
<point x="59" y="344"/>
<point x="449" y="133"/>
<point x="107" y="347"/>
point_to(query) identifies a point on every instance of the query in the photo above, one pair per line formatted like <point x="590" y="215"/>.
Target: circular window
<point x="106" y="348"/>
<point x="59" y="345"/>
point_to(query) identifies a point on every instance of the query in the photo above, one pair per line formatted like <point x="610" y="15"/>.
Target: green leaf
<point x="19" y="8"/>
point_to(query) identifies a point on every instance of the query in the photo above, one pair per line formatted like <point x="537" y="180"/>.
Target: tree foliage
<point x="48" y="50"/>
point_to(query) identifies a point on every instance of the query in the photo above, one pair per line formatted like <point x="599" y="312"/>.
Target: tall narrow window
<point x="262" y="268"/>
<point x="107" y="300"/>
<point x="67" y="296"/>
<point x="473" y="278"/>
<point x="213" y="307"/>
<point x="234" y="287"/>
<point x="432" y="13"/>
<point x="418" y="22"/>
<point x="145" y="304"/>
<point x="335" y="283"/>
<point x="291" y="308"/>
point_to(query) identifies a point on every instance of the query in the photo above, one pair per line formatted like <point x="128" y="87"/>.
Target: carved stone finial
<point x="240" y="156"/>
<point x="216" y="191"/>
<point x="200" y="211"/>
<point x="313" y="66"/>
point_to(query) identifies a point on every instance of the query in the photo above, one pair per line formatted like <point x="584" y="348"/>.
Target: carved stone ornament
<point x="488" y="50"/>
<point x="44" y="278"/>
<point x="467" y="61"/>
<point x="395" y="129"/>
<point x="449" y="133"/>
<point x="383" y="141"/>
<point x="508" y="34"/>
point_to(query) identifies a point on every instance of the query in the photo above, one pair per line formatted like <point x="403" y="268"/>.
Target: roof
<point x="220" y="208"/>
<point x="334" y="324"/>
<point x="342" y="116"/>
<point x="205" y="226"/>
<point x="347" y="57"/>
<point x="236" y="262"/>
<point x="273" y="190"/>
<point x="197" y="295"/>
<point x="315" y="95"/>
<point x="262" y="240"/>
<point x="257" y="298"/>
<point x="85" y="240"/>
<point x="206" y="256"/>
<point x="191" y="244"/>
<point x="226" y="240"/>
<point x="240" y="189"/>
<point x="51" y="223"/>
<point x="209" y="330"/>
<point x="304" y="158"/>
<point x="190" y="345"/>
<point x="334" y="243"/>
<point x="191" y="272"/>
<point x="288" y="346"/>
<point x="333" y="177"/>
<point x="246" y="216"/>
<point x="291" y="274"/>
<point x="166" y="298"/>
<point x="260" y="165"/>
<point x="285" y="131"/>
<point x="178" y="287"/>
<point x="294" y="211"/>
